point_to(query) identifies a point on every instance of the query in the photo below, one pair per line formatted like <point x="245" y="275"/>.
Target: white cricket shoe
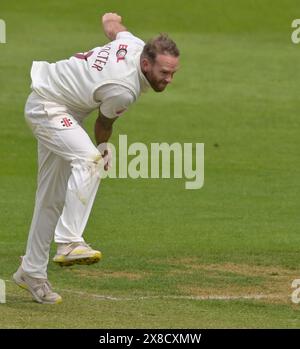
<point x="40" y="289"/>
<point x="76" y="253"/>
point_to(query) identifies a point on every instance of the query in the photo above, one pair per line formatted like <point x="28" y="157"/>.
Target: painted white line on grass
<point x="195" y="298"/>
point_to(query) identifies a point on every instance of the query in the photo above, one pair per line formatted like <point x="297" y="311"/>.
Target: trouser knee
<point x="87" y="169"/>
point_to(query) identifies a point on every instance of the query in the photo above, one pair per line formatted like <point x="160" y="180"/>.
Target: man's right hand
<point x="112" y="25"/>
<point x="111" y="17"/>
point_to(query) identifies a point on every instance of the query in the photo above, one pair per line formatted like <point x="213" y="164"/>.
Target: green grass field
<point x="166" y="249"/>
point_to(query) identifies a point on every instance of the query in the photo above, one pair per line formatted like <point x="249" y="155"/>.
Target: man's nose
<point x="168" y="79"/>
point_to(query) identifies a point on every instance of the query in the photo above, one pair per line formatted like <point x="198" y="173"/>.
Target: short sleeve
<point x="129" y="36"/>
<point x="115" y="100"/>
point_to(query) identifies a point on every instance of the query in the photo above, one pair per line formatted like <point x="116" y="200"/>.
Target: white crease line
<point x="201" y="298"/>
<point x="196" y="298"/>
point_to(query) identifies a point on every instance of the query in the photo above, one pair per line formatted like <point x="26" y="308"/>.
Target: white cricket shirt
<point x="108" y="77"/>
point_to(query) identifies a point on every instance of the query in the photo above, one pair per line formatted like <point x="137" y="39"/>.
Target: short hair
<point x="161" y="44"/>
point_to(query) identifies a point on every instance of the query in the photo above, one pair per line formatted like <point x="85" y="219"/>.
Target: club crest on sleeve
<point x="66" y="122"/>
<point x="122" y="52"/>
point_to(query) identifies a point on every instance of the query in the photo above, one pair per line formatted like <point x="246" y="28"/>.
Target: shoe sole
<point x="67" y="261"/>
<point x="24" y="286"/>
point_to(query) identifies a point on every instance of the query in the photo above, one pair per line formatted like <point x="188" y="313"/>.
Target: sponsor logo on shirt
<point x="121" y="53"/>
<point x="66" y="122"/>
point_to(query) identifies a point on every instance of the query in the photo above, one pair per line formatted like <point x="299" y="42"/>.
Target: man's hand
<point x="111" y="17"/>
<point x="106" y="154"/>
<point x="112" y="25"/>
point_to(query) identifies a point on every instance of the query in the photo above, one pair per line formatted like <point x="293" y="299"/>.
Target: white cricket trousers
<point x="68" y="180"/>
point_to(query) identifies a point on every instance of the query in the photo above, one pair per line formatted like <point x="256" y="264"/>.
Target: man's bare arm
<point x="112" y="25"/>
<point x="103" y="128"/>
<point x="103" y="131"/>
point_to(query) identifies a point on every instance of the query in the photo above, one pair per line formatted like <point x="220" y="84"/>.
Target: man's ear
<point x="145" y="64"/>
